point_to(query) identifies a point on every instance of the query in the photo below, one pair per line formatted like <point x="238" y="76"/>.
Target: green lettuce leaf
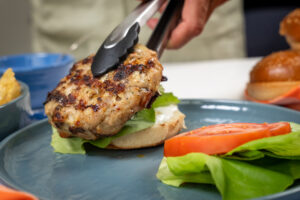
<point x="254" y="169"/>
<point x="282" y="146"/>
<point x="164" y="100"/>
<point x="233" y="178"/>
<point x="140" y="121"/>
<point x="66" y="145"/>
<point x="167" y="177"/>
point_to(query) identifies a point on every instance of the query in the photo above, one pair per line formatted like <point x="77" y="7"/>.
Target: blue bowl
<point x="15" y="114"/>
<point x="40" y="71"/>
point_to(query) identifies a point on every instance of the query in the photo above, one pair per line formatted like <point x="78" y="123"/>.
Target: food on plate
<point x="275" y="75"/>
<point x="290" y="28"/>
<point x="221" y="138"/>
<point x="104" y="110"/>
<point x="7" y="193"/>
<point x="253" y="161"/>
<point x="9" y="87"/>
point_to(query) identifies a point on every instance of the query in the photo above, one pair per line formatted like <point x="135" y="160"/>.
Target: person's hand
<point x="194" y="15"/>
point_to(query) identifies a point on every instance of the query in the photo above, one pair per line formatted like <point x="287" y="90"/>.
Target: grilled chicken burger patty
<point x="90" y="108"/>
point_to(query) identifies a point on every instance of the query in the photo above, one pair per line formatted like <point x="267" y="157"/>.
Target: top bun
<point x="278" y="66"/>
<point x="290" y="28"/>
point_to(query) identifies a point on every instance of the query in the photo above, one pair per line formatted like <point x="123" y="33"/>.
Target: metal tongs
<point x="122" y="39"/>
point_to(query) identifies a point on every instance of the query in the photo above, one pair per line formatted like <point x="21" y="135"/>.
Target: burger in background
<point x="276" y="78"/>
<point x="290" y="28"/>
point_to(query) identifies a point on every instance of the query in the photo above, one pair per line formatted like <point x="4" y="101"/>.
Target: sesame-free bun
<point x="290" y="28"/>
<point x="274" y="75"/>
<point x="154" y="135"/>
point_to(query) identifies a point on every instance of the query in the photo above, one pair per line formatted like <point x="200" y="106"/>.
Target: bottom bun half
<point x="270" y="90"/>
<point x="169" y="121"/>
<point x="294" y="44"/>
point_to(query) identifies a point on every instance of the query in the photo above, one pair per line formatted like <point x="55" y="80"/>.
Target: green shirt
<point x="57" y="24"/>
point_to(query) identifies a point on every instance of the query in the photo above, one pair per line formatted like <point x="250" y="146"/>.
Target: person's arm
<point x="194" y="15"/>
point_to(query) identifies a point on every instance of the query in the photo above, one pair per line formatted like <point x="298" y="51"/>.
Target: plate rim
<point x="284" y="194"/>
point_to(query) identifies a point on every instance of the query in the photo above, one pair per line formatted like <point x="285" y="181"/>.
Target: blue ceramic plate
<point x="29" y="163"/>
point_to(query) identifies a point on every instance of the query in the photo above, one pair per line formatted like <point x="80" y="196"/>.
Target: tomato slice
<point x="280" y="128"/>
<point x="221" y="138"/>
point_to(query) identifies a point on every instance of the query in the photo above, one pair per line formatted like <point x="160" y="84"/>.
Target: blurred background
<point x="236" y="29"/>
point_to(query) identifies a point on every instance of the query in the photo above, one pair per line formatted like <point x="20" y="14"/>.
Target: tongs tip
<point x="125" y="36"/>
<point x="107" y="59"/>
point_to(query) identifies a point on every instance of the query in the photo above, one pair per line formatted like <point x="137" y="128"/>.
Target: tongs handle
<point x="140" y="15"/>
<point x="168" y="21"/>
<point x="123" y="38"/>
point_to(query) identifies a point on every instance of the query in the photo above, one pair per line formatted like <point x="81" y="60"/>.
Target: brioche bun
<point x="275" y="75"/>
<point x="170" y="121"/>
<point x="290" y="28"/>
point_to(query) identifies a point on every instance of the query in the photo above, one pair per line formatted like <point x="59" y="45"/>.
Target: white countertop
<point x="221" y="79"/>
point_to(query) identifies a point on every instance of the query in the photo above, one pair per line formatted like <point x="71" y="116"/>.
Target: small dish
<point x="40" y="71"/>
<point x="16" y="113"/>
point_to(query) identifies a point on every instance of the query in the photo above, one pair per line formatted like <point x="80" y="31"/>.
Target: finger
<point x="194" y="16"/>
<point x="152" y="22"/>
